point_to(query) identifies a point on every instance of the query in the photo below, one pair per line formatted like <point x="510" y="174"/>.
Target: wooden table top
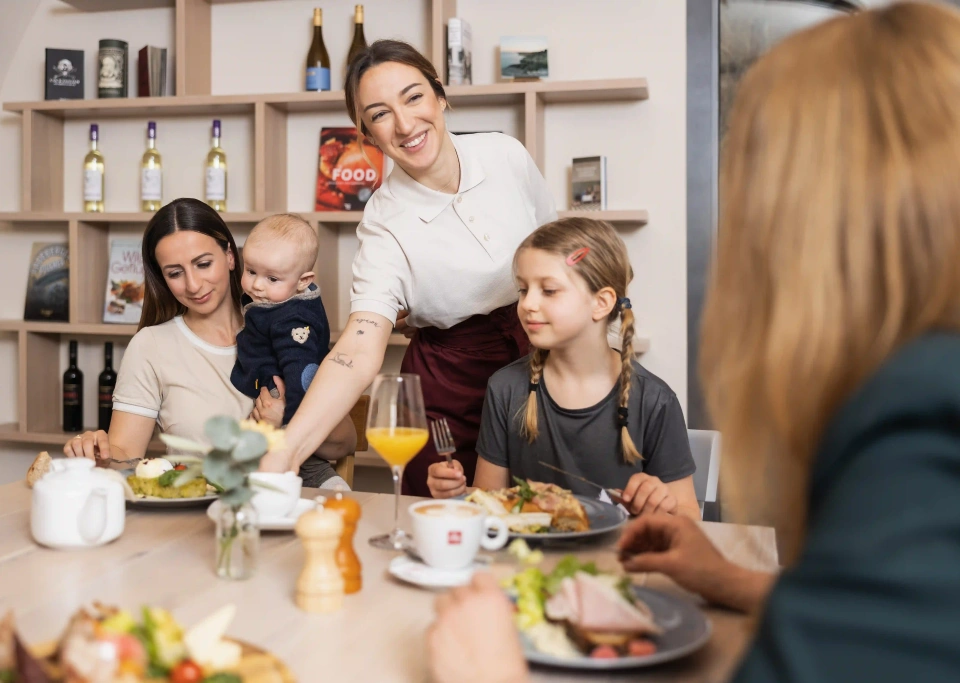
<point x="165" y="558"/>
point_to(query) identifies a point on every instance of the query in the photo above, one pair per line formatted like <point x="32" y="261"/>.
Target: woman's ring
<point x="78" y="436"/>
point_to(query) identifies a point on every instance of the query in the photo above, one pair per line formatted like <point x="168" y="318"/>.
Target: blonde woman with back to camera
<point x="831" y="364"/>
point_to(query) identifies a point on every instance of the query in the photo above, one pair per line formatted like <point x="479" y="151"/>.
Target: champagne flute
<point x="397" y="431"/>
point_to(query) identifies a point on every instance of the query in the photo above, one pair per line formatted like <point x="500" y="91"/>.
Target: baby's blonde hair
<point x="291" y="228"/>
<point x="605" y="264"/>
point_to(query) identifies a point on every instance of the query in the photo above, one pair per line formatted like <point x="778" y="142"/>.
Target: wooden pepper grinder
<point x="347" y="559"/>
<point x="320" y="586"/>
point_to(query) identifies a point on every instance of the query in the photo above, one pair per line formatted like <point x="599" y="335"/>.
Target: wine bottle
<point x="318" y="61"/>
<point x="93" y="184"/>
<point x="151" y="172"/>
<point x="105" y="386"/>
<point x="359" y="43"/>
<point x="73" y="394"/>
<point x="216" y="179"/>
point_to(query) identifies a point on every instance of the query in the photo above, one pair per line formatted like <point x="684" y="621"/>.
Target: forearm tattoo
<point x="342" y="359"/>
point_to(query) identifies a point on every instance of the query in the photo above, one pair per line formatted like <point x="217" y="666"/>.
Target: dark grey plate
<point x="170" y="503"/>
<point x="685" y="630"/>
<point x="603" y="517"/>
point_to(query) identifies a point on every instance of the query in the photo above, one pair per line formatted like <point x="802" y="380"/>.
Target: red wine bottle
<point x="105" y="385"/>
<point x="73" y="394"/>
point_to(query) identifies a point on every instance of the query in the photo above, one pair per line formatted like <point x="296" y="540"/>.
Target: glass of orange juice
<point x="396" y="430"/>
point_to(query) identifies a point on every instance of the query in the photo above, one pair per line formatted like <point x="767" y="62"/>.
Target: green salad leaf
<point x="526" y="494"/>
<point x="566" y="567"/>
<point x="223" y="677"/>
<point x="168" y="477"/>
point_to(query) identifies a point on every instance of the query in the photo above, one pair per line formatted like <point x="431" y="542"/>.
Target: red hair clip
<point x="577" y="256"/>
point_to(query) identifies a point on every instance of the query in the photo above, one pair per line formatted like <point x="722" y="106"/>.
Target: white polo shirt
<point x="447" y="257"/>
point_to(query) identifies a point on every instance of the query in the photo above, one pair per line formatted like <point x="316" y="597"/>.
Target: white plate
<point x="272" y="523"/>
<point x="411" y="571"/>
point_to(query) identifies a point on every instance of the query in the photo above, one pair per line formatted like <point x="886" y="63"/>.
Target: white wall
<point x="259" y="47"/>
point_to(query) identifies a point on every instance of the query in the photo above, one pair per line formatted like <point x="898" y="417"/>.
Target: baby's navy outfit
<point x="288" y="339"/>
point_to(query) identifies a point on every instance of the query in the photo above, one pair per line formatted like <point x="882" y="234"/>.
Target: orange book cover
<point x="346" y="174"/>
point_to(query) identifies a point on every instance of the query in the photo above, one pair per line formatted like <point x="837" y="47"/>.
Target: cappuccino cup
<point x="448" y="533"/>
<point x="278" y="495"/>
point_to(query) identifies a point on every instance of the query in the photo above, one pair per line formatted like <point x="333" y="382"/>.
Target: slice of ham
<point x="592" y="604"/>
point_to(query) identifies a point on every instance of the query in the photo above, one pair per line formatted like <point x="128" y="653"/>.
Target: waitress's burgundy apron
<point x="454" y="366"/>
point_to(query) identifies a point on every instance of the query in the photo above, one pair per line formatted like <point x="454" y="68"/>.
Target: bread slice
<point x="39" y="467"/>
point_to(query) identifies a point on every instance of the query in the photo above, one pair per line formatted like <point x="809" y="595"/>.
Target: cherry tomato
<point x="641" y="647"/>
<point x="604" y="652"/>
<point x="186" y="671"/>
<point x="180" y="467"/>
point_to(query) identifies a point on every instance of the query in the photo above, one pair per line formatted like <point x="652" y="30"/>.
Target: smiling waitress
<point x="437" y="239"/>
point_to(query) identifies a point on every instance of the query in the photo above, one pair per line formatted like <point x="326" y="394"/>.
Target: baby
<point x="285" y="330"/>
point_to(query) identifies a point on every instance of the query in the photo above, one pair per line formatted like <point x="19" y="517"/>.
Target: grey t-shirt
<point x="584" y="441"/>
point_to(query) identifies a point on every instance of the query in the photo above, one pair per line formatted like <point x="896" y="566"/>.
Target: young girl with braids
<point x="574" y="402"/>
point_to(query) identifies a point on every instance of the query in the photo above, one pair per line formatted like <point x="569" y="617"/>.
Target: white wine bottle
<point x="359" y="43"/>
<point x="215" y="190"/>
<point x="151" y="173"/>
<point x="93" y="184"/>
<point x="318" y="61"/>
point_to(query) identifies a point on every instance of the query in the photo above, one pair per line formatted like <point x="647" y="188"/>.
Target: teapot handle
<point x="92" y="522"/>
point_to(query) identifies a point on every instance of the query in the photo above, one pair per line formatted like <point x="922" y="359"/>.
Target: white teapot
<point x="76" y="506"/>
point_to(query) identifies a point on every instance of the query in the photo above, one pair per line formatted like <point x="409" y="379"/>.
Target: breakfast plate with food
<point x="536" y="511"/>
<point x="103" y="643"/>
<point x="153" y="486"/>
<point x="578" y="617"/>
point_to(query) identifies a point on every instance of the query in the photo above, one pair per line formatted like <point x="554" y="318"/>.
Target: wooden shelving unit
<point x="42" y="183"/>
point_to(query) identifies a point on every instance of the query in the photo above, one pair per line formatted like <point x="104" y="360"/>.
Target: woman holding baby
<point x="175" y="372"/>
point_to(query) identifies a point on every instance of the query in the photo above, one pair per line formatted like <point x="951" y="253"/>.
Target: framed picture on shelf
<point x="523" y="57"/>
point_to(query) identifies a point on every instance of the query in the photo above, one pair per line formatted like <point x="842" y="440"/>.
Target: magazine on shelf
<point x="347" y="175"/>
<point x="124" y="298"/>
<point x="48" y="283"/>
<point x="588" y="181"/>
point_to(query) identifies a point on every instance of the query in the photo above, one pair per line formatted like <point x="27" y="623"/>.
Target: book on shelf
<point x="459" y="52"/>
<point x="347" y="174"/>
<point x="48" y="283"/>
<point x="152" y="71"/>
<point x="124" y="298"/>
<point x="63" y="79"/>
<point x="588" y="183"/>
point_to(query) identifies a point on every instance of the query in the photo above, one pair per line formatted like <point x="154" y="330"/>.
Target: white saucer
<point x="411" y="571"/>
<point x="272" y="523"/>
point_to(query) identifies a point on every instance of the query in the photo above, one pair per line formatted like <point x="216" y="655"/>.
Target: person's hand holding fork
<point x="445" y="479"/>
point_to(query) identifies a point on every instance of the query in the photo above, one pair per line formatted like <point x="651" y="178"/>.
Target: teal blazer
<point x="875" y="595"/>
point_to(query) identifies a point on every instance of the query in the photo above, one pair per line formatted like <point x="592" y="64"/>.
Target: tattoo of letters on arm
<point x="341" y="359"/>
<point x="371" y="322"/>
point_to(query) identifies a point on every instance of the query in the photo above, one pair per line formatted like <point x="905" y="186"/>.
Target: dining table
<point x="166" y="558"/>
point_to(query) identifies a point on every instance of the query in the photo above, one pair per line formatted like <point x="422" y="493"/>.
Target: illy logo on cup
<point x="454" y="538"/>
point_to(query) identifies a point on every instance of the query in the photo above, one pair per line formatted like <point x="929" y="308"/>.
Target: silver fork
<point x="443" y="439"/>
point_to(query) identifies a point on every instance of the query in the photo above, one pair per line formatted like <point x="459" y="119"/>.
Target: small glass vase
<point x="238" y="541"/>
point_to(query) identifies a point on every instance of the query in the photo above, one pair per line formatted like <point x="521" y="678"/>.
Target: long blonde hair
<point x="839" y="237"/>
<point x="603" y="263"/>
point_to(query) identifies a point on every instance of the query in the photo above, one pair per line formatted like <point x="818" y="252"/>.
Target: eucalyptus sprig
<point x="234" y="454"/>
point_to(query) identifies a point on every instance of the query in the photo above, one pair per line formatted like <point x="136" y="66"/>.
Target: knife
<point x="616" y="494"/>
